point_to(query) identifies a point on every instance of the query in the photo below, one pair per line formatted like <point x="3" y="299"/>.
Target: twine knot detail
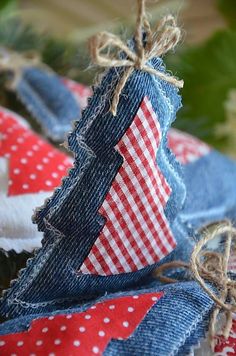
<point x="163" y="38"/>
<point x="15" y="63"/>
<point x="212" y="266"/>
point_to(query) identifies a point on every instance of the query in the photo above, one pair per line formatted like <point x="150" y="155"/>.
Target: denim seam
<point x="47" y="123"/>
<point x="178" y="178"/>
<point x="57" y="190"/>
<point x="30" y="107"/>
<point x="90" y="154"/>
<point x="189" y="331"/>
<point x="51" y="211"/>
<point x="164" y="156"/>
<point x="42" y="304"/>
<point x="199" y="214"/>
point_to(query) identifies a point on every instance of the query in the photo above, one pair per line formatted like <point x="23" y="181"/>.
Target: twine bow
<point x="212" y="267"/>
<point x="164" y="37"/>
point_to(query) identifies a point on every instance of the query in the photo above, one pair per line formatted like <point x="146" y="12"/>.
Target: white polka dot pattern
<point x="34" y="165"/>
<point x="86" y="333"/>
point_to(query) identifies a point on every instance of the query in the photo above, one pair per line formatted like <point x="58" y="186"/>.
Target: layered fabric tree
<point x="110" y="222"/>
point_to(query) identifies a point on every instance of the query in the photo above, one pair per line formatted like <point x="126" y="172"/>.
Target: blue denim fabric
<point x="211" y="192"/>
<point x="70" y="219"/>
<point x="195" y="337"/>
<point x="166" y="329"/>
<point x="172" y="327"/>
<point x="49" y="101"/>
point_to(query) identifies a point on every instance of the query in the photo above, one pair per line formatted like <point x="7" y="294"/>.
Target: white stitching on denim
<point x="98" y="109"/>
<point x="58" y="234"/>
<point x="189" y="331"/>
<point x="14" y="299"/>
<point x="27" y="305"/>
<point x="34" y="273"/>
<point x="162" y="150"/>
<point x="211" y="213"/>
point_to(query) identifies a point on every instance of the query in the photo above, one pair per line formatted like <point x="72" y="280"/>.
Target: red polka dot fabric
<point x="86" y="333"/>
<point x="33" y="164"/>
<point x="226" y="347"/>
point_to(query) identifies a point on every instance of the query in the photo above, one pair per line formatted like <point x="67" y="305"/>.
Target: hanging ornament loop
<point x="163" y="38"/>
<point x="210" y="266"/>
<point x="213" y="267"/>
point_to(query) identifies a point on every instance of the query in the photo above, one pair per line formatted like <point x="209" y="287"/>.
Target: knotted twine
<point x="163" y="38"/>
<point x="15" y="63"/>
<point x="213" y="267"/>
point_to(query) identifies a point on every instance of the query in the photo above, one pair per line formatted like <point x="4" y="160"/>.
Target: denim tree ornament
<point x="113" y="220"/>
<point x="41" y="91"/>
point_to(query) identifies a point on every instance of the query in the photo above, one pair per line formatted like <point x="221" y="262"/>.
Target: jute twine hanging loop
<point x="159" y="41"/>
<point x="211" y="266"/>
<point x="15" y="63"/>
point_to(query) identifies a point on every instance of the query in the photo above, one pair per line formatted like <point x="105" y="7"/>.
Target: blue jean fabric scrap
<point x="172" y="327"/>
<point x="49" y="101"/>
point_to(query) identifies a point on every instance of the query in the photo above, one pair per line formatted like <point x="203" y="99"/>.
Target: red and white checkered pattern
<point x="186" y="147"/>
<point x="136" y="233"/>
